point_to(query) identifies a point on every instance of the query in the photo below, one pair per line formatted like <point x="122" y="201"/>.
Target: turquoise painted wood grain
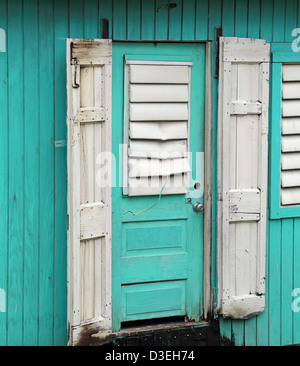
<point x="33" y="248"/>
<point x="105" y="12"/>
<point x="31" y="177"/>
<point x="274" y="280"/>
<point x="133" y="19"/>
<point x="60" y="183"/>
<point x="228" y="18"/>
<point x="16" y="174"/>
<point x="254" y="19"/>
<point x="153" y="300"/>
<point x="47" y="194"/>
<point x="91" y="21"/>
<point x="161" y="20"/>
<point x="290" y="19"/>
<point x="4" y="180"/>
<point x="188" y="20"/>
<point x="241" y="17"/>
<point x="215" y="18"/>
<point x="296" y="278"/>
<point x="119" y="20"/>
<point x="147" y="19"/>
<point x="287" y="280"/>
<point x="175" y="22"/>
<point x="266" y="22"/>
<point x="201" y="19"/>
<point x="279" y="20"/>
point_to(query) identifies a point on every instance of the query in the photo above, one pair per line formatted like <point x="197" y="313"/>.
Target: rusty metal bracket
<point x="76" y="76"/>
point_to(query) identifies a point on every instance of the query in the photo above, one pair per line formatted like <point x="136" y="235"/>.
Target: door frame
<point x="104" y="324"/>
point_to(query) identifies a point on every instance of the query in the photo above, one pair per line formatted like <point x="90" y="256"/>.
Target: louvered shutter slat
<point x="157" y="149"/>
<point x="158" y="93"/>
<point x="290" y="126"/>
<point x="158" y="112"/>
<point x="151" y="74"/>
<point x="158" y="131"/>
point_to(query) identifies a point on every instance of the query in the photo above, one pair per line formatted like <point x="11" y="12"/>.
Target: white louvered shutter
<point x="156" y="127"/>
<point x="89" y="191"/>
<point x="242" y="176"/>
<point x="290" y="135"/>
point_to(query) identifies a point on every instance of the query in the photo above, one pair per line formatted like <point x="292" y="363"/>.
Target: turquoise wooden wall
<point x="33" y="227"/>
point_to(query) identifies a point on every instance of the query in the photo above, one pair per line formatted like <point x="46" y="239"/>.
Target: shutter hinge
<point x="75" y="76"/>
<point x="75" y="83"/>
<point x="219" y="32"/>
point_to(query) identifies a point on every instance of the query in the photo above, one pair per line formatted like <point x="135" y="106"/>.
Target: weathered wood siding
<point x="33" y="191"/>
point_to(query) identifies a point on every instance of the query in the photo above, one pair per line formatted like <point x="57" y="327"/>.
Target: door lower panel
<point x="153" y="300"/>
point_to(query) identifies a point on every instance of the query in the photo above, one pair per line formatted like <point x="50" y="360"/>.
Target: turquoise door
<point x="157" y="255"/>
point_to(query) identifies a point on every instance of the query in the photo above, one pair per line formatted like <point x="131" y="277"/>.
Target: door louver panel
<point x="156" y="127"/>
<point x="290" y="135"/>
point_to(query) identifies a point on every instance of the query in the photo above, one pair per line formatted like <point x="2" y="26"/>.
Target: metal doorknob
<point x="198" y="207"/>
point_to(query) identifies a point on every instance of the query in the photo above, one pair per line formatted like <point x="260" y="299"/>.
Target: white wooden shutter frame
<point x="89" y="201"/>
<point x="242" y="176"/>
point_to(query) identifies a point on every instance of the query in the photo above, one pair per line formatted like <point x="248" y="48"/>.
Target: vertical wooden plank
<point x="87" y="187"/>
<point x="274" y="276"/>
<point x="91" y="19"/>
<point x="296" y="283"/>
<point x="266" y="20"/>
<point x="105" y="12"/>
<point x="99" y="143"/>
<point x="60" y="258"/>
<point x="46" y="173"/>
<point x="16" y="173"/>
<point x="278" y="20"/>
<point x="73" y="129"/>
<point x="250" y="332"/>
<point x="161" y="20"/>
<point x="228" y="18"/>
<point x="225" y="329"/>
<point x="76" y="20"/>
<point x="287" y="281"/>
<point x="254" y="19"/>
<point x="175" y="22"/>
<point x="188" y="20"/>
<point x="133" y="19"/>
<point x="241" y="18"/>
<point x="31" y="178"/>
<point x="117" y="71"/>
<point x="201" y="20"/>
<point x="214" y="18"/>
<point x="147" y="19"/>
<point x="238" y="332"/>
<point x="290" y="19"/>
<point x="263" y="319"/>
<point x="119" y="19"/>
<point x="3" y="174"/>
